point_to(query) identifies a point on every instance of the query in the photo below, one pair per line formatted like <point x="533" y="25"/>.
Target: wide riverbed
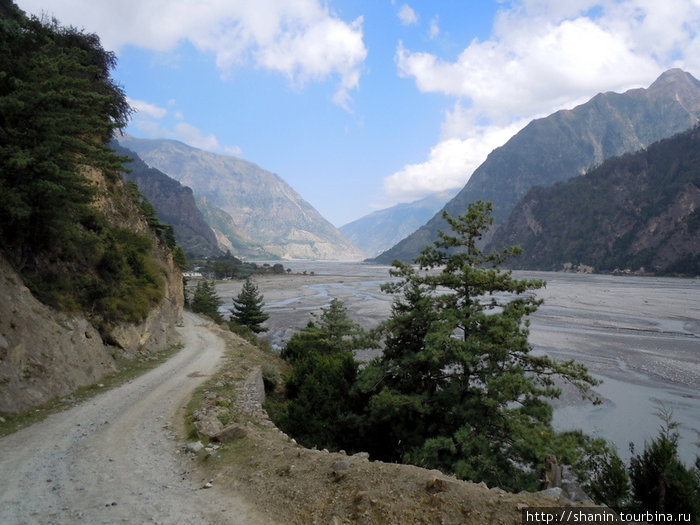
<point x="640" y="335"/>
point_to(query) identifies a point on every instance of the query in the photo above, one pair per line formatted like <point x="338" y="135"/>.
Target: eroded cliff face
<point x="45" y="353"/>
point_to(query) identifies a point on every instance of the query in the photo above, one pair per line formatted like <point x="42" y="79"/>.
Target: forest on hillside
<point x="68" y="223"/>
<point x="638" y="212"/>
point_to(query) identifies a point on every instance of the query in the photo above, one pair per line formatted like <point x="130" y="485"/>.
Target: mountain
<point x="381" y="229"/>
<point x="174" y="204"/>
<point x="262" y="206"/>
<point x="566" y="144"/>
<point x="228" y="234"/>
<point x="638" y="212"/>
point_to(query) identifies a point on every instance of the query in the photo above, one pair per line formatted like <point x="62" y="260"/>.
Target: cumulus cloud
<point x="157" y="122"/>
<point x="451" y="162"/>
<point x="302" y="40"/>
<point x="407" y="15"/>
<point x="542" y="55"/>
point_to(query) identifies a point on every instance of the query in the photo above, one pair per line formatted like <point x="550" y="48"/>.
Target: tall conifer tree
<point x="248" y="308"/>
<point x="458" y="387"/>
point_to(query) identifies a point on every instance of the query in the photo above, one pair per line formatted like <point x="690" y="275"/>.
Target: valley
<point x="101" y="231"/>
<point x="640" y="335"/>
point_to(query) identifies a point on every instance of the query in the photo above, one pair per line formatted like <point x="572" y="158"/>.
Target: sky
<point x="363" y="104"/>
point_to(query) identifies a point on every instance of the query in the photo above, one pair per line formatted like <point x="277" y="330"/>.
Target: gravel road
<point x="114" y="458"/>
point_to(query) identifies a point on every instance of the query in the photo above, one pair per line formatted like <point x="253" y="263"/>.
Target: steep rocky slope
<point x="265" y="208"/>
<point x="174" y="204"/>
<point x="565" y="145"/>
<point x="45" y="353"/>
<point x="638" y="212"/>
<point x="228" y="234"/>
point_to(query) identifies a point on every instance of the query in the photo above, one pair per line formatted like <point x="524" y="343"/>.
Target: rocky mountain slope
<point x="566" y="144"/>
<point x="229" y="235"/>
<point x="638" y="212"/>
<point x="381" y="229"/>
<point x="263" y="207"/>
<point x="174" y="204"/>
<point x="47" y="352"/>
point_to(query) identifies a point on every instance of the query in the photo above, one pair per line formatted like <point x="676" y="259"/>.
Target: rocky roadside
<point x="240" y="451"/>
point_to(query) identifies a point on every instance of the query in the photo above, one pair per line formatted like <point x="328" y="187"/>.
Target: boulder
<point x="231" y="432"/>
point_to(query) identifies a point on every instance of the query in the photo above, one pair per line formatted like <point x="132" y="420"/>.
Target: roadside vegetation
<point x="655" y="480"/>
<point x="246" y="313"/>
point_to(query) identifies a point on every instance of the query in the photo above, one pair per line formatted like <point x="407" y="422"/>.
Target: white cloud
<point x="145" y="108"/>
<point x="450" y="163"/>
<point x="532" y="71"/>
<point x="434" y="30"/>
<point x="302" y="39"/>
<point x="193" y="136"/>
<point x="156" y="122"/>
<point x="407" y="15"/>
<point x="543" y="55"/>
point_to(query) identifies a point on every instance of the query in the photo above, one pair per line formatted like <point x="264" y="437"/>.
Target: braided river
<point x="639" y="335"/>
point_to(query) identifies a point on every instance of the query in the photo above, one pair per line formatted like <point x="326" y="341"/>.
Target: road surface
<point x="113" y="459"/>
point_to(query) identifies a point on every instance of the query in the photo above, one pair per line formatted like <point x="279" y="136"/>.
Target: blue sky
<point x="361" y="104"/>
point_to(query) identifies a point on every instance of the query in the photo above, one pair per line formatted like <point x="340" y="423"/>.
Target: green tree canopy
<point x="660" y="481"/>
<point x="248" y="308"/>
<point x="58" y="109"/>
<point x="319" y="411"/>
<point x="458" y="387"/>
<point x="206" y="301"/>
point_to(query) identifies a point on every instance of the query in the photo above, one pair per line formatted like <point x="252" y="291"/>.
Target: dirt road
<point x="114" y="458"/>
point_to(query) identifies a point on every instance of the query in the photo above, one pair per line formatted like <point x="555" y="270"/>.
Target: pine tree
<point x="319" y="407"/>
<point x="58" y="110"/>
<point x="248" y="308"/>
<point x="457" y="387"/>
<point x="206" y="301"/>
<point x="660" y="480"/>
<point x="610" y="483"/>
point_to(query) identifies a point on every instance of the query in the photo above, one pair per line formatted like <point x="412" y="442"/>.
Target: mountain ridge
<point x="262" y="205"/>
<point x="174" y="204"/>
<point x="565" y="144"/>
<point x="635" y="213"/>
<point x="381" y="229"/>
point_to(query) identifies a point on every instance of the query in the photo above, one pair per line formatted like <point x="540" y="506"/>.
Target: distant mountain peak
<point x="673" y="75"/>
<point x="382" y="229"/>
